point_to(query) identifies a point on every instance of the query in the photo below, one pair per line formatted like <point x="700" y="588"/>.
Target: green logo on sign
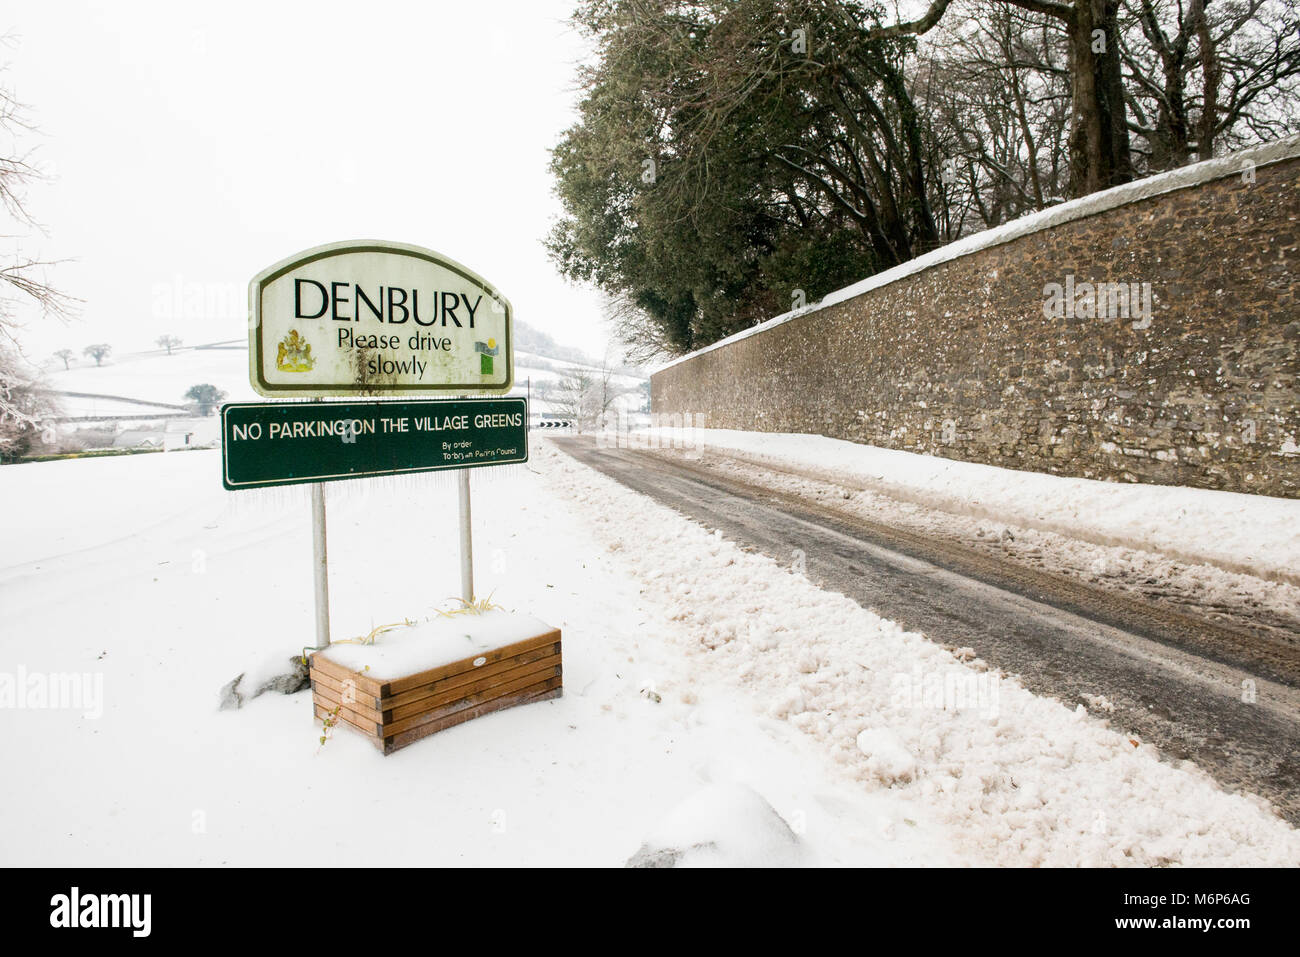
<point x="486" y="351"/>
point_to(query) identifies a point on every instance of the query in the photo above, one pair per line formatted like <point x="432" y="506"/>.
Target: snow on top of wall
<point x="1090" y="205"/>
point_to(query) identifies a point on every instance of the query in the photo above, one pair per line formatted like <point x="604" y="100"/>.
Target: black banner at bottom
<point x="132" y="907"/>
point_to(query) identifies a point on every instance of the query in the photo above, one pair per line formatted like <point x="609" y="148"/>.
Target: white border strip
<point x="1079" y="208"/>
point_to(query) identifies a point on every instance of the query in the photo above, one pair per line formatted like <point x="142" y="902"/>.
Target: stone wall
<point x="957" y="358"/>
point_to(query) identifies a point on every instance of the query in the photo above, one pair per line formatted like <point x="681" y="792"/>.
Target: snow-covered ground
<point x="716" y="705"/>
<point x="1252" y="534"/>
<point x="178" y="586"/>
<point x="155" y="376"/>
<point x="89" y="406"/>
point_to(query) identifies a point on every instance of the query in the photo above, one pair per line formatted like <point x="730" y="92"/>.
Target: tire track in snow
<point x="1173" y="681"/>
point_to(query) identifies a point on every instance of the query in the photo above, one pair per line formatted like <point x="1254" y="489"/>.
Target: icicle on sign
<point x="371" y="318"/>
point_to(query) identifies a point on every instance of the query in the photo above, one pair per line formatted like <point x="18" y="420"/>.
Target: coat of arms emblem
<point x="294" y="354"/>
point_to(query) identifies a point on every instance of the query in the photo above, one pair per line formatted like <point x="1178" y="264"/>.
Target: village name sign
<point x="375" y="318"/>
<point x="387" y="325"/>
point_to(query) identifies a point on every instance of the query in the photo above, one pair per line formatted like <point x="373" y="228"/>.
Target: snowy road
<point x="1173" y="679"/>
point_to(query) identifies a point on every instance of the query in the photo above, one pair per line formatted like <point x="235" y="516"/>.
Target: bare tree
<point x="1199" y="78"/>
<point x="576" y="397"/>
<point x="996" y="90"/>
<point x="25" y="407"/>
<point x="99" y="352"/>
<point x="25" y="275"/>
<point x="1099" y="141"/>
<point x="644" y="341"/>
<point x="585" y="395"/>
<point x="169" y="342"/>
<point x="609" y="391"/>
<point x="22" y="280"/>
<point x="1204" y="77"/>
<point x="67" y="355"/>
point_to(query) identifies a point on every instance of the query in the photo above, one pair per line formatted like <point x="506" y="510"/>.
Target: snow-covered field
<point x="158" y="377"/>
<point x="712" y="698"/>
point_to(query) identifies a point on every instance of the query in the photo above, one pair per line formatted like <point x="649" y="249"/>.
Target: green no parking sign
<point x="282" y="443"/>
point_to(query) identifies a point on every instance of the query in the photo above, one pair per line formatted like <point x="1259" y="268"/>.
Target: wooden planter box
<point x="395" y="712"/>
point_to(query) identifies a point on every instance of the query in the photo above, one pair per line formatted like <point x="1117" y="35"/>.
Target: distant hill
<point x="118" y="387"/>
<point x="539" y="343"/>
<point x="528" y="339"/>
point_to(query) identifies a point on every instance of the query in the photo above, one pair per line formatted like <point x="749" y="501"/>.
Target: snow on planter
<point x="417" y="680"/>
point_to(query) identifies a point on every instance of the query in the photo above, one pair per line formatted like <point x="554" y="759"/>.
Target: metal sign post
<point x="296" y="443"/>
<point x="466" y="540"/>
<point x="320" y="569"/>
<point x="320" y="565"/>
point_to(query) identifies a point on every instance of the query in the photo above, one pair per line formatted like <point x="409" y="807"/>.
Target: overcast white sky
<point x="191" y="145"/>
